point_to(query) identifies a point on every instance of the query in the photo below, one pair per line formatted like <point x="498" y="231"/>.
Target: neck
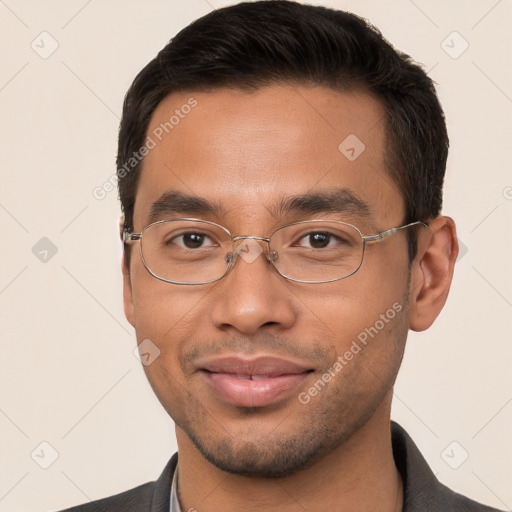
<point x="357" y="476"/>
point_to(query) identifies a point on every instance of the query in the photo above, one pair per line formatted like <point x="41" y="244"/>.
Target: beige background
<point x="68" y="374"/>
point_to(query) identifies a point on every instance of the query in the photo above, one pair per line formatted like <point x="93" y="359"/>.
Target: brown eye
<point x="192" y="241"/>
<point x="319" y="240"/>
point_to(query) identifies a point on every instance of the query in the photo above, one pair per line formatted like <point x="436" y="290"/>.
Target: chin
<point x="272" y="455"/>
<point x="276" y="460"/>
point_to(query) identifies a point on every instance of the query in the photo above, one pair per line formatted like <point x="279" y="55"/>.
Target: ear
<point x="129" y="309"/>
<point x="432" y="272"/>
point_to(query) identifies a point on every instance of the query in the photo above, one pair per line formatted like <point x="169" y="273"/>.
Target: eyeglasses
<point x="193" y="251"/>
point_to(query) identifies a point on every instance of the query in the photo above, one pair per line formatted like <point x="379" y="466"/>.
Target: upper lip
<point x="261" y="366"/>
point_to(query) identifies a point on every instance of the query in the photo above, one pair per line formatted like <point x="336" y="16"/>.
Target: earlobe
<point x="432" y="272"/>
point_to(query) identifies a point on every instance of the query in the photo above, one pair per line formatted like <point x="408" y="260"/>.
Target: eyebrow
<point x="341" y="200"/>
<point x="173" y="201"/>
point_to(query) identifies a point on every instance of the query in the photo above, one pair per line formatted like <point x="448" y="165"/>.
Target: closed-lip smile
<point x="254" y="382"/>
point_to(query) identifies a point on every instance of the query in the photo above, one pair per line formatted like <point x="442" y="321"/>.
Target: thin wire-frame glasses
<point x="191" y="251"/>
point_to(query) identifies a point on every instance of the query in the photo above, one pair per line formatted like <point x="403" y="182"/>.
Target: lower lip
<point x="253" y="393"/>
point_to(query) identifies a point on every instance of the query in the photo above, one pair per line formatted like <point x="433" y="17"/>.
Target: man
<point x="280" y="172"/>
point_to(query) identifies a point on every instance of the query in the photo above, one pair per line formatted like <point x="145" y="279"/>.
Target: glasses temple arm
<point x="392" y="231"/>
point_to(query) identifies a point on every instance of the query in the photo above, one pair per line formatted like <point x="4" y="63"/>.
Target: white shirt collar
<point x="174" y="501"/>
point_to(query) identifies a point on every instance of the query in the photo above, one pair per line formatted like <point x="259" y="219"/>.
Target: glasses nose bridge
<point x="235" y="239"/>
<point x="246" y="253"/>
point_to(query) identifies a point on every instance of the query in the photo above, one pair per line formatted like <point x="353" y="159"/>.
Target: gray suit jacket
<point x="423" y="492"/>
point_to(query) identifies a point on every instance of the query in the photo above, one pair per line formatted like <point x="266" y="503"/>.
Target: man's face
<point x="247" y="155"/>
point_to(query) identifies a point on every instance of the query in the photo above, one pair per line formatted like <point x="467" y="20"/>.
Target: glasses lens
<point x="185" y="251"/>
<point x="317" y="251"/>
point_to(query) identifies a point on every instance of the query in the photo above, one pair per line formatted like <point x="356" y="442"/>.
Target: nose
<point x="252" y="296"/>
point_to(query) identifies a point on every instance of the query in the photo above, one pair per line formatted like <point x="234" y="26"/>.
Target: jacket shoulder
<point x="460" y="503"/>
<point x="423" y="491"/>
<point x="149" y="497"/>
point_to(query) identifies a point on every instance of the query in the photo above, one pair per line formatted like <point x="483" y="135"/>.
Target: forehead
<point x="249" y="151"/>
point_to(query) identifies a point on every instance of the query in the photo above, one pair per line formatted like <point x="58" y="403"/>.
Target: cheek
<point x="167" y="319"/>
<point x="170" y="387"/>
<point x="367" y="355"/>
<point x="163" y="310"/>
<point x="163" y="324"/>
<point x="365" y="320"/>
<point x="347" y="307"/>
